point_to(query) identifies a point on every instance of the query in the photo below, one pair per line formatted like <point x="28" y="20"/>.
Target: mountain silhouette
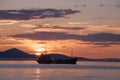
<point x="15" y="53"/>
<point x="99" y="60"/>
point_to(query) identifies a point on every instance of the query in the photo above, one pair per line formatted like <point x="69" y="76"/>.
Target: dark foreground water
<point x="30" y="70"/>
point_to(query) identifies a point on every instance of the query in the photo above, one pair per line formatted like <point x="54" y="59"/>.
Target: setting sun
<point x="38" y="54"/>
<point x="39" y="51"/>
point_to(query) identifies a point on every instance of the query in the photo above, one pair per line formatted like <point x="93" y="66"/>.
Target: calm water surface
<point x="30" y="70"/>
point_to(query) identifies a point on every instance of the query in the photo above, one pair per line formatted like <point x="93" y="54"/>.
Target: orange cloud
<point x="8" y="22"/>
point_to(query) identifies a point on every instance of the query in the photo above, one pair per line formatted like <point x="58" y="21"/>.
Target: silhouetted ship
<point x="56" y="59"/>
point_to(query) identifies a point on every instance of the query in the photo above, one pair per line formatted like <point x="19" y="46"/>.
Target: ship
<point x="56" y="59"/>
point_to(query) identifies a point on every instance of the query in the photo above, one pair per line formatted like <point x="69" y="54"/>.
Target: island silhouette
<point x="17" y="54"/>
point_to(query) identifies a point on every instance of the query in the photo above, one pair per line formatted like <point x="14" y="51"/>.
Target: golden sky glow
<point x="93" y="32"/>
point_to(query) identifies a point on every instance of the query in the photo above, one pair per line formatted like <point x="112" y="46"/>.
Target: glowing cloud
<point x="8" y="22"/>
<point x="28" y="25"/>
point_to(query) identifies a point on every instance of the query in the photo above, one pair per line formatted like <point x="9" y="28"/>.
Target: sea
<point x="31" y="70"/>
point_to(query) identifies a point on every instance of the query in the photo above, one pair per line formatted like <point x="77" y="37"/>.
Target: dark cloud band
<point x="27" y="14"/>
<point x="59" y="27"/>
<point x="98" y="37"/>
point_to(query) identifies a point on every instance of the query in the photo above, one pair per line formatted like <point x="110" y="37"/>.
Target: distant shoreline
<point x="97" y="60"/>
<point x="100" y="60"/>
<point x="18" y="59"/>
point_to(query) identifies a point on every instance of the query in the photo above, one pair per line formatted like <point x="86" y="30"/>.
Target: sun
<point x="38" y="54"/>
<point x="39" y="51"/>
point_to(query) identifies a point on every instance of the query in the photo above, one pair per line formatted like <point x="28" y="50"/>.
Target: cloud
<point x="105" y="44"/>
<point x="100" y="44"/>
<point x="78" y="23"/>
<point x="118" y="6"/>
<point x="98" y="37"/>
<point x="91" y="29"/>
<point x="58" y="27"/>
<point x="27" y="14"/>
<point x="41" y="42"/>
<point x="9" y="41"/>
<point x="45" y="36"/>
<point x="6" y="22"/>
<point x="1" y="29"/>
<point x="28" y="25"/>
<point x="101" y="37"/>
<point x="100" y="18"/>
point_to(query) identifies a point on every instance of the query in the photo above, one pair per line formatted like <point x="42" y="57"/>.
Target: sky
<point x="86" y="28"/>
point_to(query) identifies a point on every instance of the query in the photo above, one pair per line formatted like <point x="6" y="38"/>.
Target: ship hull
<point x="60" y="61"/>
<point x="56" y="59"/>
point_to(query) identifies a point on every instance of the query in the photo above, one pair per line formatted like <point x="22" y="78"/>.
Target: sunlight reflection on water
<point x="81" y="71"/>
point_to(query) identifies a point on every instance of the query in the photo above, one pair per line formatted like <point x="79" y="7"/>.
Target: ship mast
<point x="72" y="52"/>
<point x="45" y="52"/>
